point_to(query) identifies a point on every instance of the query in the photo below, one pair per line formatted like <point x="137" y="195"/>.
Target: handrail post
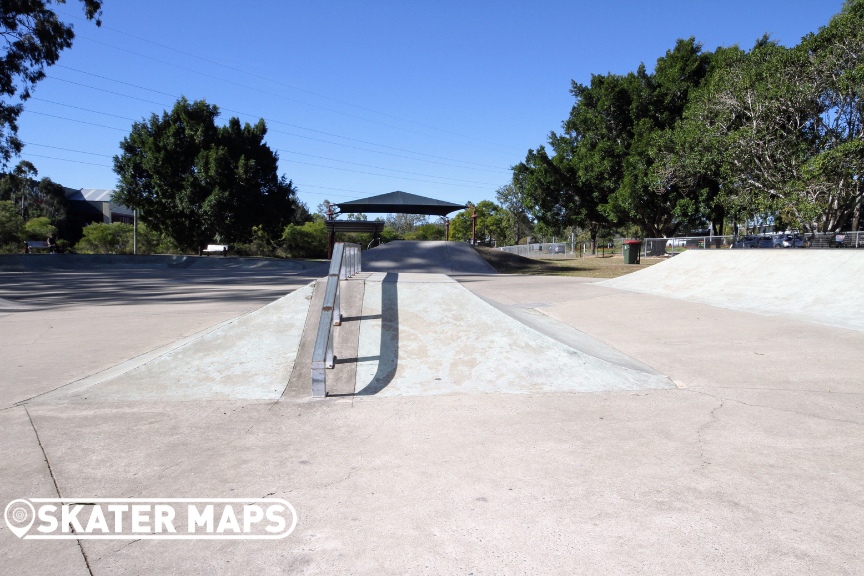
<point x="337" y="309"/>
<point x="329" y="361"/>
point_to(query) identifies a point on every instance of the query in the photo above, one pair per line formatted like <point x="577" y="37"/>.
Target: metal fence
<point x="543" y="249"/>
<point x="678" y="244"/>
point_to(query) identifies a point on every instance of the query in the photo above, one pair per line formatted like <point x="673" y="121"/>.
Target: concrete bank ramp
<point x="821" y="286"/>
<point x="427" y="257"/>
<point x="249" y="357"/>
<point x="402" y="335"/>
<point x="425" y="334"/>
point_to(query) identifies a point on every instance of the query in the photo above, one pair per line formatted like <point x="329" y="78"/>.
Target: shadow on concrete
<point x="428" y="257"/>
<point x="388" y="356"/>
<point x="39" y="289"/>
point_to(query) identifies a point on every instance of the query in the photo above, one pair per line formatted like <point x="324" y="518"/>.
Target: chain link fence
<point x="670" y="246"/>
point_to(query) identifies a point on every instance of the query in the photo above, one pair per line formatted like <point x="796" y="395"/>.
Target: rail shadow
<point x="388" y="355"/>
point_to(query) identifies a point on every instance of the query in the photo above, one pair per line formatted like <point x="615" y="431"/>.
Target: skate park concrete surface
<point x="736" y="446"/>
<point x="817" y="286"/>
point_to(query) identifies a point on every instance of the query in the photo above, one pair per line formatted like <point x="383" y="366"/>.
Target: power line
<point x="280" y="150"/>
<point x="67" y="149"/>
<point x="388" y="175"/>
<point x="293" y="161"/>
<point x="64" y="160"/>
<point x="270" y="120"/>
<point x="382" y="168"/>
<point x="78" y="121"/>
<point x="82" y="109"/>
<point x="261" y="90"/>
<point x="274" y="81"/>
<point x="361" y="194"/>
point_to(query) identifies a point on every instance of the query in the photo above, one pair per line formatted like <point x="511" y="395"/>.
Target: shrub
<point x="306" y="241"/>
<point x="38" y="229"/>
<point x="117" y="238"/>
<point x="100" y="238"/>
<point x="11" y="225"/>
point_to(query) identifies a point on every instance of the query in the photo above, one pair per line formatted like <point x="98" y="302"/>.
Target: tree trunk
<point x="856" y="214"/>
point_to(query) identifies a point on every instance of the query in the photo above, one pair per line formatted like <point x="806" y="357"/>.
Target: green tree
<point x="35" y="199"/>
<point x="118" y="238"/>
<point x="101" y="238"/>
<point x="18" y="186"/>
<point x="33" y="38"/>
<point x="198" y="182"/>
<point x="780" y="129"/>
<point x="428" y="231"/>
<point x="598" y="171"/>
<point x="405" y="224"/>
<point x="38" y="229"/>
<point x="519" y="222"/>
<point x="460" y="225"/>
<point x="832" y="177"/>
<point x="11" y="224"/>
<point x="308" y="240"/>
<point x="492" y="224"/>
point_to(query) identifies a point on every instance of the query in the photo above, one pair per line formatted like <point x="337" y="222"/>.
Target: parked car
<point x="764" y="242"/>
<point x="793" y="242"/>
<point x="744" y="242"/>
<point x="557" y="249"/>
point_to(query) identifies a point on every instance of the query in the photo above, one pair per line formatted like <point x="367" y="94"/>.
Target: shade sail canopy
<point x="400" y="203"/>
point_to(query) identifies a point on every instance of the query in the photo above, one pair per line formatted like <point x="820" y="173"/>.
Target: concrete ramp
<point x="425" y="334"/>
<point x="821" y="286"/>
<point x="402" y="334"/>
<point x="427" y="257"/>
<point x="248" y="358"/>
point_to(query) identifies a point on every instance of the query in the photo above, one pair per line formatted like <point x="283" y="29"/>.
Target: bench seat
<point x="30" y="245"/>
<point x="216" y="249"/>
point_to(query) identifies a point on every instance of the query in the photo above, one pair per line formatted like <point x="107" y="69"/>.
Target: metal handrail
<point x="344" y="264"/>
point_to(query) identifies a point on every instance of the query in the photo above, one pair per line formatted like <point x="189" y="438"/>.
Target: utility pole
<point x="474" y="227"/>
<point x="135" y="231"/>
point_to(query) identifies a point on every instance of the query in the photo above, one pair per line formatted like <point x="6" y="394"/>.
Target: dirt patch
<point x="589" y="266"/>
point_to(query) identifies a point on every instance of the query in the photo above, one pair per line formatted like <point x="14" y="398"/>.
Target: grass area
<point x="589" y="266"/>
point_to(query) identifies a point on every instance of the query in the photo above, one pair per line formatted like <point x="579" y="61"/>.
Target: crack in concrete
<point x="125" y="545"/>
<point x="786" y="410"/>
<point x="828" y="391"/>
<point x="56" y="485"/>
<point x="712" y="419"/>
<point x="360" y="454"/>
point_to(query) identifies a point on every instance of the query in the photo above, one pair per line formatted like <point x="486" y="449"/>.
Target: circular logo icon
<point x="20" y="515"/>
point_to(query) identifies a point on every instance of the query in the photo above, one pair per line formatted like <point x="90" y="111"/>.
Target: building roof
<point x="90" y="195"/>
<point x="400" y="203"/>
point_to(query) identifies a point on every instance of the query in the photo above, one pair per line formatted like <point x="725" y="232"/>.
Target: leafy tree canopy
<point x="33" y="38"/>
<point x="492" y="224"/>
<point x="199" y="182"/>
<point x="772" y="134"/>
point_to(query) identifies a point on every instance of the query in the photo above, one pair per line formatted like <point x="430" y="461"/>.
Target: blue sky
<point x="362" y="98"/>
